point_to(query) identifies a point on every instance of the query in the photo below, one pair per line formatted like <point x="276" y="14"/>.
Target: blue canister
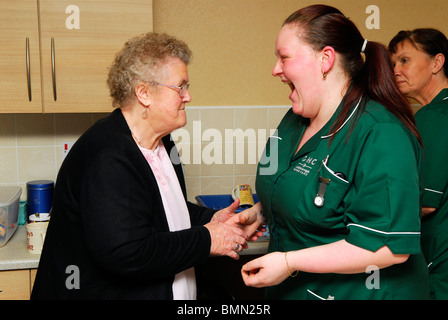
<point x="40" y="196"/>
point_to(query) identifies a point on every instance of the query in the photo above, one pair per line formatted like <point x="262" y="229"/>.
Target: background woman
<point x="345" y="197"/>
<point x="421" y="71"/>
<point x="120" y="215"/>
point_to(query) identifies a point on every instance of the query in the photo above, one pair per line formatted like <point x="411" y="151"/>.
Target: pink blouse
<point x="184" y="285"/>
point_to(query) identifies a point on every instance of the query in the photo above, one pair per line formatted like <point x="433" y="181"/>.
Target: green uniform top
<point x="432" y="123"/>
<point x="371" y="200"/>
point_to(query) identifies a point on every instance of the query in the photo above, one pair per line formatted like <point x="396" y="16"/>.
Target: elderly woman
<point x="421" y="71"/>
<point x="344" y="200"/>
<point x="121" y="227"/>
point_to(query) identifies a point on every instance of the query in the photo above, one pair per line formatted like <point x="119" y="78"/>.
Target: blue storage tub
<point x="219" y="201"/>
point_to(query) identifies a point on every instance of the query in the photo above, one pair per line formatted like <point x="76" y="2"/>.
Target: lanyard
<point x="319" y="200"/>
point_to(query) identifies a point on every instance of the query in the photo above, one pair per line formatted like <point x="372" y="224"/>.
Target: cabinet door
<point x="79" y="41"/>
<point x="15" y="285"/>
<point x="20" y="86"/>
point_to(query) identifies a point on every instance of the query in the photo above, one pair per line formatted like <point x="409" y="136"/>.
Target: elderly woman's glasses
<point x="182" y="89"/>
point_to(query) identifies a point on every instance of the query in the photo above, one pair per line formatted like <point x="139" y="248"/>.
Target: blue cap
<point x="40" y="184"/>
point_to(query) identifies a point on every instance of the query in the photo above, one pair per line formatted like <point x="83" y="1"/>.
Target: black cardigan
<point x="108" y="230"/>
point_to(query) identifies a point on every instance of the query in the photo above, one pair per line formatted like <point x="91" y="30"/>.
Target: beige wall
<point x="231" y="83"/>
<point x="233" y="40"/>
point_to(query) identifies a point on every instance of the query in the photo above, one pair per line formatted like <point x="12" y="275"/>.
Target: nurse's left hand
<point x="265" y="271"/>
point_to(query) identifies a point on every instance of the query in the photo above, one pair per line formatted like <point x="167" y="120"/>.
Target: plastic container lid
<point x="8" y="194"/>
<point x="39" y="217"/>
<point x="40" y="184"/>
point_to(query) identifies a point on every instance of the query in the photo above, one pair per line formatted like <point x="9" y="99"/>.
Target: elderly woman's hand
<point x="226" y="239"/>
<point x="228" y="229"/>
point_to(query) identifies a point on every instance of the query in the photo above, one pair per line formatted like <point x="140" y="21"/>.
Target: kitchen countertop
<point x="258" y="247"/>
<point x="14" y="254"/>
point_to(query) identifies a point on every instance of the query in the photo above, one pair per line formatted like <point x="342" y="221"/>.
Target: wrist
<point x="291" y="274"/>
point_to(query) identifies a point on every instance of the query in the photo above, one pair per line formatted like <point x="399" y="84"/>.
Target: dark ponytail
<point x="372" y="76"/>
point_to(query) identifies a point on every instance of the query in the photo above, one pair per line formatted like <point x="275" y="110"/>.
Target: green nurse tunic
<point x="361" y="185"/>
<point x="432" y="122"/>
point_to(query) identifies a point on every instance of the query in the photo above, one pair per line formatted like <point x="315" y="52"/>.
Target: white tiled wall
<point x="31" y="145"/>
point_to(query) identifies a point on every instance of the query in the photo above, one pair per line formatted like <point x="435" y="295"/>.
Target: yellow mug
<point x="244" y="193"/>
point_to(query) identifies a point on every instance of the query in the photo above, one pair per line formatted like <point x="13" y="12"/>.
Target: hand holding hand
<point x="228" y="230"/>
<point x="226" y="213"/>
<point x="250" y="221"/>
<point x="226" y="239"/>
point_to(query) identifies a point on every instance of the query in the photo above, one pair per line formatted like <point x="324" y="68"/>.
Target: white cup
<point x="39" y="217"/>
<point x="35" y="234"/>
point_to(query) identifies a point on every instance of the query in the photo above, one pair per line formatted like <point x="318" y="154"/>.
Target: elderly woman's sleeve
<point x="199" y="215"/>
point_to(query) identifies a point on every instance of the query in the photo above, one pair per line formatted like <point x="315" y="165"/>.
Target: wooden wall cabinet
<point x="55" y="54"/>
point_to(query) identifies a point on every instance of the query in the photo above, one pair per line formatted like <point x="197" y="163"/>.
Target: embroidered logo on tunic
<point x="305" y="165"/>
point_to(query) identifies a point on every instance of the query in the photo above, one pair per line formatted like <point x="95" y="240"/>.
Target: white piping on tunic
<point x="435" y="191"/>
<point x="345" y="122"/>
<point x="332" y="172"/>
<point x="316" y="295"/>
<point x="382" y="232"/>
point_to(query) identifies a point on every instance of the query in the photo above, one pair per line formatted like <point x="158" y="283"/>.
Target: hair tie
<point x="364" y="46"/>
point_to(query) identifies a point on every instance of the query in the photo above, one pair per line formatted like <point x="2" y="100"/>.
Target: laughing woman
<point x="344" y="199"/>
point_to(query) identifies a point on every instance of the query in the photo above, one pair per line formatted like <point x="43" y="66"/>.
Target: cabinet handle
<point x="28" y="70"/>
<point x="53" y="70"/>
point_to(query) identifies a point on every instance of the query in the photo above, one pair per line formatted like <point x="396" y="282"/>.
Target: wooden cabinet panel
<point x="15" y="285"/>
<point x="71" y="45"/>
<point x="33" y="273"/>
<point x="86" y="35"/>
<point x="19" y="21"/>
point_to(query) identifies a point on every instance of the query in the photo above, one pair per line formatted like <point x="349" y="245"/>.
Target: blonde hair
<point x="139" y="60"/>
